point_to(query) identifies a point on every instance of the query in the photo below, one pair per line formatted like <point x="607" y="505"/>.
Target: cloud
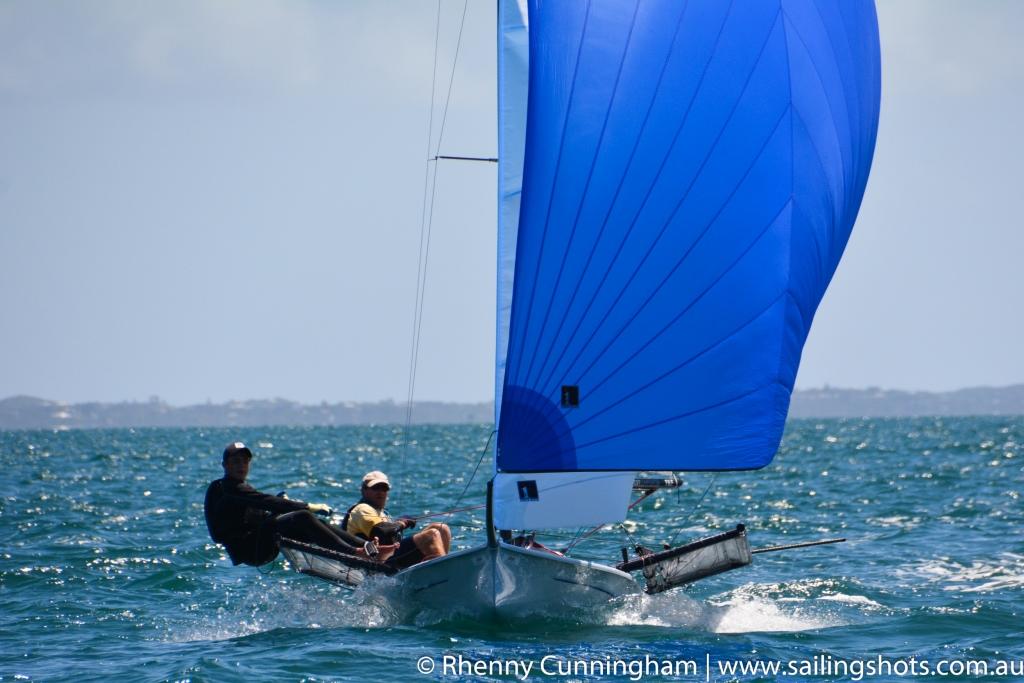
<point x="949" y="47"/>
<point x="221" y="48"/>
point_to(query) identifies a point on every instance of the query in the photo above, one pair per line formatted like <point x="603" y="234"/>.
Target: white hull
<point x="508" y="582"/>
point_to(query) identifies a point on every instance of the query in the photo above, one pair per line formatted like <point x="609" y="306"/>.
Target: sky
<point x="223" y="201"/>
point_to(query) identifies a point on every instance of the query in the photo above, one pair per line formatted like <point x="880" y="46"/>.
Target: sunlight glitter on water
<point x="980" y="576"/>
<point x="98" y="582"/>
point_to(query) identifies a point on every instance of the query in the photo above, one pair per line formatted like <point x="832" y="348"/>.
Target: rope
<point x="420" y="278"/>
<point x="449" y="512"/>
<point x="483" y="453"/>
<point x="427" y="220"/>
<point x="640" y="499"/>
<point x="630" y="541"/>
<point x="693" y="509"/>
<point x="578" y="538"/>
<point x="575" y="539"/>
<point x="593" y="531"/>
<point x="458" y="500"/>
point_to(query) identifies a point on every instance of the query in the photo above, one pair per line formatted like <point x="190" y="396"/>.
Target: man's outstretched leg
<point x="303" y="526"/>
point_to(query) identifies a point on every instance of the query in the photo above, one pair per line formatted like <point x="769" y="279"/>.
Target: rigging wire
<point x="455" y="508"/>
<point x="580" y="536"/>
<point x="483" y="454"/>
<point x="576" y="539"/>
<point x="419" y="254"/>
<point x="492" y="160"/>
<point x="693" y="509"/>
<point x="427" y="218"/>
<point x="629" y="537"/>
<point x="442" y="513"/>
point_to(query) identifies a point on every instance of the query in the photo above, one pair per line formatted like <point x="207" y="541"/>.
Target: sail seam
<point x="586" y="189"/>
<point x="828" y="102"/>
<point x="858" y="100"/>
<point x="708" y="270"/>
<point x="647" y="195"/>
<point x="850" y="99"/>
<point x="819" y="268"/>
<point x="681" y="416"/>
<point x="693" y="357"/>
<point x="832" y="200"/>
<point x="551" y="192"/>
<point x="668" y="222"/>
<point x="618" y="189"/>
<point x="693" y="245"/>
<point x="696" y="299"/>
<point x="821" y="82"/>
<point x="792" y="189"/>
<point x="685" y="194"/>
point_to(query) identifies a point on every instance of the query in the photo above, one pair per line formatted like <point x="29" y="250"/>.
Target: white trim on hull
<point x="509" y="582"/>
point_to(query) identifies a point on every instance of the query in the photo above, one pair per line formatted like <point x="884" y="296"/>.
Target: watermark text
<point x="823" y="666"/>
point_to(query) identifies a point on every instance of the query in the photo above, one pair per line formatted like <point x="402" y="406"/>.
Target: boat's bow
<point x="509" y="581"/>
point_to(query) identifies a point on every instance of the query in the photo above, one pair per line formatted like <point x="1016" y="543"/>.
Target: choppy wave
<point x="794" y="606"/>
<point x="728" y="614"/>
<point x="294" y="602"/>
<point x="300" y="602"/>
<point x="107" y="566"/>
<point x="979" y="576"/>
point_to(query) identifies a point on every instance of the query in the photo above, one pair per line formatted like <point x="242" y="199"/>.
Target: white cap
<point x="371" y="479"/>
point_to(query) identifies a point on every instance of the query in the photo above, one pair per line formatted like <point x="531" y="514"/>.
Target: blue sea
<point x="107" y="572"/>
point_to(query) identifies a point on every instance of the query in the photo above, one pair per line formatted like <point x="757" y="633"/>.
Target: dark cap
<point x="237" y="448"/>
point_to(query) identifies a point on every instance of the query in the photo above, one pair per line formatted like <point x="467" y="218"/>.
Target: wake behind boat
<point x="677" y="184"/>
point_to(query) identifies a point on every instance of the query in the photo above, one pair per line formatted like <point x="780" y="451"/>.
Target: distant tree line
<point x="25" y="412"/>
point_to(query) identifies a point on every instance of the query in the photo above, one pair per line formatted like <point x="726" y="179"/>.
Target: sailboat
<point x="677" y="183"/>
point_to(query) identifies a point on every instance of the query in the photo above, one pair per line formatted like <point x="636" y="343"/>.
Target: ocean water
<point x="107" y="573"/>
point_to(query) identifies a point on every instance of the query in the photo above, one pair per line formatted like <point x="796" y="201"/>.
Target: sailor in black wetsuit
<point x="247" y="522"/>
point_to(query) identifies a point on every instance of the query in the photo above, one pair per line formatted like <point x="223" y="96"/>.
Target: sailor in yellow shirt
<point x="368" y="519"/>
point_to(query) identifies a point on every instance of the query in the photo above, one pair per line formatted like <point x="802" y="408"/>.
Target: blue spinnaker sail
<point x="691" y="174"/>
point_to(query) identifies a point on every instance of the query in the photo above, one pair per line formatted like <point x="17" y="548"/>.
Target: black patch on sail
<point x="528" y="490"/>
<point x="570" y="396"/>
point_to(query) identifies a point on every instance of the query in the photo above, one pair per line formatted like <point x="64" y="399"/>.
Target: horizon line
<point x="156" y="399"/>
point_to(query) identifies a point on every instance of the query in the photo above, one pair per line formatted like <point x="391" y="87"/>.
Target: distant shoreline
<point x="26" y="412"/>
